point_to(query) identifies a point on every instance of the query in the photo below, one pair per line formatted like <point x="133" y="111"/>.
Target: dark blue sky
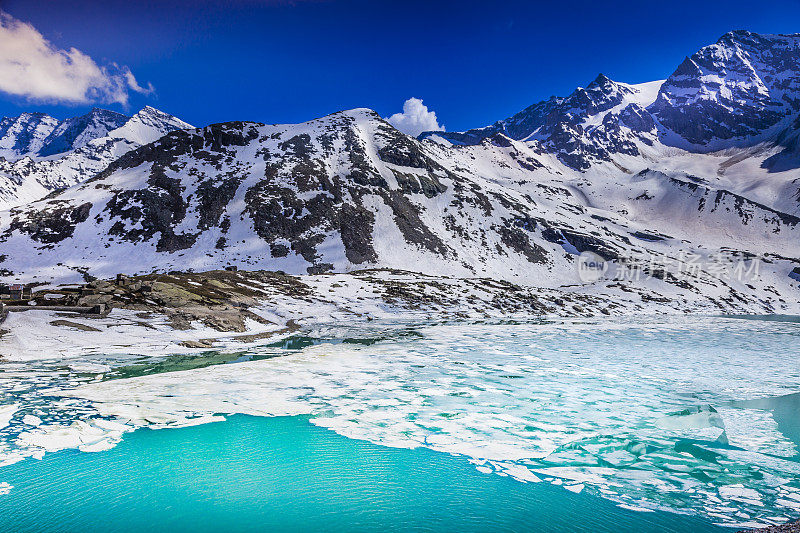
<point x="471" y="62"/>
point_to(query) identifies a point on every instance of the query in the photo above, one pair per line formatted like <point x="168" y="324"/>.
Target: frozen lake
<point x="693" y="417"/>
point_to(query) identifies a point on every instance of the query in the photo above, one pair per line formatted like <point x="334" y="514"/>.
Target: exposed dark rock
<point x="520" y="242"/>
<point x="320" y="268"/>
<point x="278" y="250"/>
<point x="156" y="209"/>
<point x="744" y="61"/>
<point x="356" y="225"/>
<point x="298" y="146"/>
<point x="589" y="243"/>
<point x="637" y="119"/>
<point x="51" y="224"/>
<point x="429" y="185"/>
<point x="406" y="216"/>
<point x="405" y="152"/>
<point x="645" y="236"/>
<point x="212" y="199"/>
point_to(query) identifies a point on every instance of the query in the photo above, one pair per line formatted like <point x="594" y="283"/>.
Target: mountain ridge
<point x="696" y="108"/>
<point x="85" y="144"/>
<point x="595" y="171"/>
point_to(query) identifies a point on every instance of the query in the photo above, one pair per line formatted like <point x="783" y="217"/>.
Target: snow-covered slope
<point x="75" y="132"/>
<point x="25" y="134"/>
<point x="602" y="170"/>
<point x="38" y="154"/>
<point x="37" y="135"/>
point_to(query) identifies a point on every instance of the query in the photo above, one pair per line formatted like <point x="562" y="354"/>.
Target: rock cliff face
<point x="608" y="170"/>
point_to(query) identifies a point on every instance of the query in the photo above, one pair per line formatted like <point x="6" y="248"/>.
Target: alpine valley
<point x="580" y="318"/>
<point x="703" y="164"/>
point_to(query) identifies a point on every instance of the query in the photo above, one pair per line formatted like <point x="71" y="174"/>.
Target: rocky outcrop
<point x="52" y="224"/>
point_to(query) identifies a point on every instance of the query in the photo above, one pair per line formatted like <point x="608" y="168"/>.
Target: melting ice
<point x="691" y="415"/>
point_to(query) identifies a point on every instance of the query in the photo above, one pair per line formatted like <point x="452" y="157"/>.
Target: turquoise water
<point x="285" y="474"/>
<point x="558" y="424"/>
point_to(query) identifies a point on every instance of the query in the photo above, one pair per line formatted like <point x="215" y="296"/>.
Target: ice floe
<point x="625" y="410"/>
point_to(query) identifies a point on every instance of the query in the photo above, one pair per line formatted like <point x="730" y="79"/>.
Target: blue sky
<point x="471" y="62"/>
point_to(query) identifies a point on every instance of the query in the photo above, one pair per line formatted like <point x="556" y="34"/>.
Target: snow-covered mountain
<point x="738" y="88"/>
<point x="37" y="135"/>
<point x="608" y="169"/>
<point x="25" y="134"/>
<point x="583" y="128"/>
<point x="729" y="114"/>
<point x="39" y="154"/>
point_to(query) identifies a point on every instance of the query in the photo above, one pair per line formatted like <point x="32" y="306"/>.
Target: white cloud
<point x="33" y="68"/>
<point x="415" y="118"/>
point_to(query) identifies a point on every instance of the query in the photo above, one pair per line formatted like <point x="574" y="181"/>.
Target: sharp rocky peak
<point x="738" y="87"/>
<point x="75" y="132"/>
<point x="599" y="96"/>
<point x="60" y="154"/>
<point x="745" y="88"/>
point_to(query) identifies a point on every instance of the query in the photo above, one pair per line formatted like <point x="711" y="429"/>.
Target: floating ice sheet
<point x="641" y="413"/>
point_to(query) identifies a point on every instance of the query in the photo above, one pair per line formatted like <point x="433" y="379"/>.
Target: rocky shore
<point x="181" y="311"/>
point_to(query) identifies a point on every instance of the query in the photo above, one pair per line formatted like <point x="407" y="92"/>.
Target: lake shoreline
<point x="222" y="309"/>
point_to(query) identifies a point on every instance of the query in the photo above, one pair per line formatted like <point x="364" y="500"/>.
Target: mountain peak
<point x="31" y="114"/>
<point x="349" y="116"/>
<point x="738" y="87"/>
<point x="749" y="38"/>
<point x="362" y="112"/>
<point x="735" y="36"/>
<point x="75" y="132"/>
<point x="98" y="113"/>
<point x="147" y="125"/>
<point x="687" y="68"/>
<point x="601" y="81"/>
<point x="150" y="113"/>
